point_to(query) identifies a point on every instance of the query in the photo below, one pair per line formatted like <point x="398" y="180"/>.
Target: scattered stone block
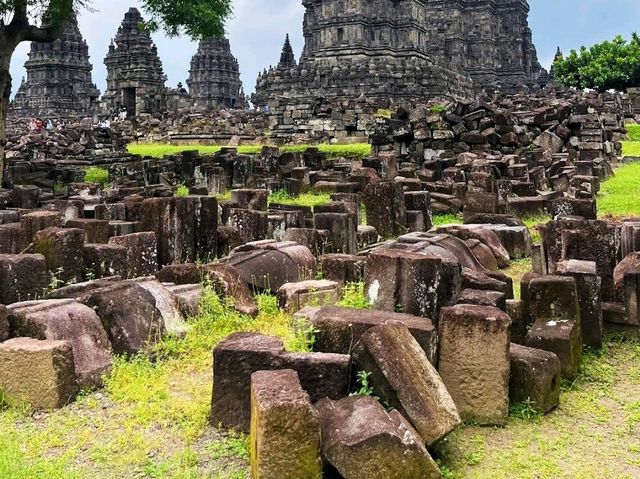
<point x="474" y="361"/>
<point x="66" y="320"/>
<point x="40" y="373"/>
<point x="241" y="354"/>
<point x="39" y="220"/>
<point x="535" y="378"/>
<point x="142" y="253"/>
<point x="129" y="315"/>
<point x="105" y="260"/>
<point x="337" y="330"/>
<point x="403" y="377"/>
<point x="22" y="277"/>
<point x="495" y="299"/>
<point x="343" y="268"/>
<point x="360" y="439"/>
<point x="588" y="287"/>
<point x="63" y="250"/>
<point x="285" y="429"/>
<point x="342" y="229"/>
<point x="386" y="210"/>
<point x="167" y="304"/>
<point x="95" y="231"/>
<point x="292" y="297"/>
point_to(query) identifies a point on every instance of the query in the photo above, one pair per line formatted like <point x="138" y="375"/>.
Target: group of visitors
<point x="37" y="125"/>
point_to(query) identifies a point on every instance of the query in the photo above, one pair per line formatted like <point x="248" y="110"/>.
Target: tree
<point x="45" y="20"/>
<point x="613" y="64"/>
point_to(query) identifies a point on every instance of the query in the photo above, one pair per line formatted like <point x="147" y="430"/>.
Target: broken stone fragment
<point x="402" y="376"/>
<point x="285" y="429"/>
<point x="40" y="373"/>
<point x="360" y="439"/>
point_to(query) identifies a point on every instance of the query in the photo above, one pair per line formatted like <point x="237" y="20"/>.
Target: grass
<point x="182" y="191"/>
<point x="633" y="132"/>
<point x="533" y="223"/>
<point x="516" y="270"/>
<point x="158" y="150"/>
<point x="96" y="175"/>
<point x="595" y="433"/>
<point x="151" y="419"/>
<point x="441" y="220"/>
<point x="620" y="194"/>
<point x="305" y="199"/>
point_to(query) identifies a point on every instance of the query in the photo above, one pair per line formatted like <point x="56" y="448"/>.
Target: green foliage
<point x="194" y="18"/>
<point x="305" y="199"/>
<point x="354" y="296"/>
<point x="96" y="175"/>
<point x="525" y="411"/>
<point x="534" y="223"/>
<point x="182" y="191"/>
<point x="364" y="387"/>
<point x="612" y="64"/>
<point x="619" y="194"/>
<point x="633" y="132"/>
<point x="441" y="220"/>
<point x="382" y="113"/>
<point x="158" y="150"/>
<point x="438" y="109"/>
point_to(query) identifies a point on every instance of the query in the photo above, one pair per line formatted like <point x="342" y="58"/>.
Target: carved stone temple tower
<point x="214" y="77"/>
<point x="135" y="77"/>
<point x="58" y="83"/>
<point x="376" y="48"/>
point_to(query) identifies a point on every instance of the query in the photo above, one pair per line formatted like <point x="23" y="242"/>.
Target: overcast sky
<point x="258" y="28"/>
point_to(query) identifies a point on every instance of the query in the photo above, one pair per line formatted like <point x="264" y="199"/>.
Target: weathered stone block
<point x="241" y="354"/>
<point x="129" y="315"/>
<point x="337" y="330"/>
<point x="104" y="260"/>
<point x="292" y="297"/>
<point x="386" y="210"/>
<point x="63" y="250"/>
<point x="40" y="373"/>
<point x="360" y="439"/>
<point x="535" y="378"/>
<point x="474" y="361"/>
<point x="403" y="377"/>
<point x="342" y="268"/>
<point x="4" y="324"/>
<point x="66" y="320"/>
<point x="22" y="277"/>
<point x="142" y="253"/>
<point x="285" y="430"/>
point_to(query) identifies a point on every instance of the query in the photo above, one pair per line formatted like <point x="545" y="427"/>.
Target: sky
<point x="258" y="27"/>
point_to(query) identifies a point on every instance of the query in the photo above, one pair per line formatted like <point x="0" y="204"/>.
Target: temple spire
<point x="287" y="58"/>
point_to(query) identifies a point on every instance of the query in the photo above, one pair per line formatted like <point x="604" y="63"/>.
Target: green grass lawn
<point x="155" y="150"/>
<point x="620" y="195"/>
<point x="633" y="132"/>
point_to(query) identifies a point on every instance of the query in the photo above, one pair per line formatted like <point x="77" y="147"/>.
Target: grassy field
<point x="358" y="150"/>
<point x="620" y="195"/>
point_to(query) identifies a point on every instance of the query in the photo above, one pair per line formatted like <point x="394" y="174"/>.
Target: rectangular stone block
<point x="285" y="430"/>
<point x="474" y="361"/>
<point x="40" y="373"/>
<point x="535" y="378"/>
<point x="22" y="277"/>
<point x="402" y="376"/>
<point x="241" y="354"/>
<point x="337" y="330"/>
<point x="292" y="297"/>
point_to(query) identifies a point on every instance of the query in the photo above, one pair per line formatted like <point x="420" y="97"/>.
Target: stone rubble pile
<point x="95" y="271"/>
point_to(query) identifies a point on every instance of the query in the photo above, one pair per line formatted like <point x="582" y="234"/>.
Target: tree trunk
<point x="5" y="93"/>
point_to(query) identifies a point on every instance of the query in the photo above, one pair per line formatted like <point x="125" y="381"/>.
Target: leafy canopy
<point x="194" y="18"/>
<point x="612" y="64"/>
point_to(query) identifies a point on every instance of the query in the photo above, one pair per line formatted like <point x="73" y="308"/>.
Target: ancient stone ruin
<point x="135" y="78"/>
<point x="385" y="53"/>
<point x="214" y="78"/>
<point x="58" y="83"/>
<point x="91" y="270"/>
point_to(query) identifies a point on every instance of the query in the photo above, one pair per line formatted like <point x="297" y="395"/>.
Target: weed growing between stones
<point x="354" y="296"/>
<point x="182" y="191"/>
<point x="305" y="199"/>
<point x="96" y="175"/>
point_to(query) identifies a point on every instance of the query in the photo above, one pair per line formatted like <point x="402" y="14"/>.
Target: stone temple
<point x="58" y="82"/>
<point x="214" y="77"/>
<point x="408" y="48"/>
<point x="378" y="48"/>
<point x="135" y="77"/>
<point x="488" y="39"/>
